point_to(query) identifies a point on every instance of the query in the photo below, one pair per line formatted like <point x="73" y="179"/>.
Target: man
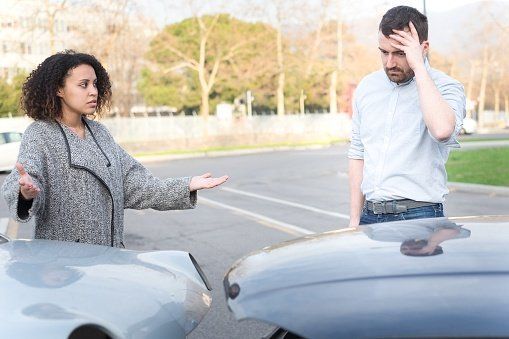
<point x="406" y="117"/>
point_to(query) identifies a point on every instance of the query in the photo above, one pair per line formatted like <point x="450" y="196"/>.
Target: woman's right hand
<point x="27" y="188"/>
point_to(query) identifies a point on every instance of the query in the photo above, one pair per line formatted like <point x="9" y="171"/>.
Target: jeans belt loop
<point x="400" y="208"/>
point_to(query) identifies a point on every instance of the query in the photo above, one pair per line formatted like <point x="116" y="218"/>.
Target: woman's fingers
<point x="29" y="193"/>
<point x="28" y="189"/>
<point x="20" y="169"/>
<point x="206" y="181"/>
<point x="217" y="181"/>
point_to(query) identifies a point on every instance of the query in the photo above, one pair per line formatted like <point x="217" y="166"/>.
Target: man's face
<point x="394" y="60"/>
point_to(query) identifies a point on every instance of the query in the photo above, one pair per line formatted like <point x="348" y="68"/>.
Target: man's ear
<point x="425" y="47"/>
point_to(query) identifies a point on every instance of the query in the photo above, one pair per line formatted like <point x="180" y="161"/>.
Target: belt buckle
<point x="379" y="208"/>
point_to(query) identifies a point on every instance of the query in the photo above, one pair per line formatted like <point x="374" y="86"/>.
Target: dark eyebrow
<point x="382" y="50"/>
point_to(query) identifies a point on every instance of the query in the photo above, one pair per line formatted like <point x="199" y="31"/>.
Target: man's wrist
<point x="420" y="70"/>
<point x="354" y="221"/>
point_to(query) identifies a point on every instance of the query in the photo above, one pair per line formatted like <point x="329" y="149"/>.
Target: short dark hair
<point x="399" y="18"/>
<point x="39" y="93"/>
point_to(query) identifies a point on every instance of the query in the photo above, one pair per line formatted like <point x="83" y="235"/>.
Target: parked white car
<point x="469" y="126"/>
<point x="9" y="149"/>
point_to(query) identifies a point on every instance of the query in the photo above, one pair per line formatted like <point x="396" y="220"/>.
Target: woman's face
<point x="79" y="94"/>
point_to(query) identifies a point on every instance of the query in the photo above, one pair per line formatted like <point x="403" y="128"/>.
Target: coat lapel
<point x="87" y="155"/>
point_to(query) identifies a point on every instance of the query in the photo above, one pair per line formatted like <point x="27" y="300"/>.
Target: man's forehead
<point x="385" y="43"/>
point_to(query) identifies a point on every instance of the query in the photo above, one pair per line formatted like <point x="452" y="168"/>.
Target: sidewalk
<point x="482" y="144"/>
<point x="478" y="189"/>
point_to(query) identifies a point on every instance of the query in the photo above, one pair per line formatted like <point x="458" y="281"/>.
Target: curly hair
<point x="39" y="97"/>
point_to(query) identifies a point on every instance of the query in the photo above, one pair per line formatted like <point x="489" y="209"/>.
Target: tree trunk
<point x="506" y="110"/>
<point x="302" y="99"/>
<point x="497" y="101"/>
<point x="482" y="91"/>
<point x="333" y="98"/>
<point x="506" y="106"/>
<point x="281" y="75"/>
<point x="205" y="89"/>
<point x="204" y="109"/>
<point x="333" y="88"/>
<point x="470" y="87"/>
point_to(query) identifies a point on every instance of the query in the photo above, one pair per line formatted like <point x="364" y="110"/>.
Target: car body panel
<point x="469" y="126"/>
<point x="49" y="288"/>
<point x="357" y="283"/>
<point x="9" y="148"/>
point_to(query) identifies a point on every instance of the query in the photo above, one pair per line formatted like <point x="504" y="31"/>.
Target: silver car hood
<point x="49" y="288"/>
<point x="354" y="279"/>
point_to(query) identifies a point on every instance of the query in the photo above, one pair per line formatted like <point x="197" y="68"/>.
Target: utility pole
<point x="424" y="6"/>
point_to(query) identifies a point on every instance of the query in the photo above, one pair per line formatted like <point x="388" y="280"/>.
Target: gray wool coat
<point x="86" y="184"/>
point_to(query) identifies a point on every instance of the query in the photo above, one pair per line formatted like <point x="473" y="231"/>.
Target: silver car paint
<point x="49" y="288"/>
<point x="351" y="283"/>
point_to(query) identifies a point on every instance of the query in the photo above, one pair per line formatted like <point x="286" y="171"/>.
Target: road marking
<point x="9" y="227"/>
<point x="288" y="203"/>
<point x="3" y="225"/>
<point x="279" y="225"/>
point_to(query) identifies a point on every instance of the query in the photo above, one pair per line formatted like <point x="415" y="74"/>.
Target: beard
<point x="398" y="75"/>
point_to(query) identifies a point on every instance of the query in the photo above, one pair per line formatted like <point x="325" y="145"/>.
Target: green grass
<point x="487" y="166"/>
<point x="241" y="147"/>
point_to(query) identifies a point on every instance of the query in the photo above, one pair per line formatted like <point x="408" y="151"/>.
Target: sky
<point x="170" y="11"/>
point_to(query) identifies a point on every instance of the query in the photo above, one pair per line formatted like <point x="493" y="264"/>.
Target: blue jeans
<point x="431" y="211"/>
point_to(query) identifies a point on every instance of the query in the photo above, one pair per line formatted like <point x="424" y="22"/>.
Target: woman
<point x="71" y="175"/>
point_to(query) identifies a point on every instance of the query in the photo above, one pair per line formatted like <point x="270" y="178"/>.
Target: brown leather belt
<point x="394" y="206"/>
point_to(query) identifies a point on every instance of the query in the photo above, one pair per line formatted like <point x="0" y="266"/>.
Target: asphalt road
<point x="270" y="197"/>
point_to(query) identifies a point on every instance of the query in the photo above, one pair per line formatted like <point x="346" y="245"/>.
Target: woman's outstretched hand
<point x="27" y="187"/>
<point x="205" y="181"/>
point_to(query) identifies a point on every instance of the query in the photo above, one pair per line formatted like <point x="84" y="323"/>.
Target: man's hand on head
<point x="409" y="43"/>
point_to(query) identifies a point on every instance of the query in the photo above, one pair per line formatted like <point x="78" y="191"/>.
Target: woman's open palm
<point x="27" y="187"/>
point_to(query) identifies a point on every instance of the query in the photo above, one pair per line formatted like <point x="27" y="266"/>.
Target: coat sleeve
<point x="143" y="190"/>
<point x="31" y="156"/>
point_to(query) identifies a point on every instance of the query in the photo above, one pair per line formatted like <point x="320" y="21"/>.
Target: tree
<point x="200" y="53"/>
<point x="10" y="93"/>
<point x="117" y="33"/>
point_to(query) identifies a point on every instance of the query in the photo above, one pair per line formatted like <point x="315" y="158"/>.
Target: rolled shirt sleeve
<point x="356" y="150"/>
<point x="454" y="94"/>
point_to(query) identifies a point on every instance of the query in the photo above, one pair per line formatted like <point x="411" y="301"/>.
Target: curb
<point x="154" y="158"/>
<point x="477" y="188"/>
<point x="470" y="145"/>
<point x="453" y="186"/>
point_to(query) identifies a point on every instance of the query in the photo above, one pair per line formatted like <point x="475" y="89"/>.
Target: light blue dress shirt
<point x="402" y="160"/>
